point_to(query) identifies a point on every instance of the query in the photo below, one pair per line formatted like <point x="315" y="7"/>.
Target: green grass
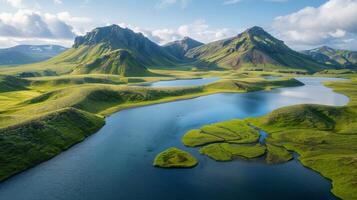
<point x="194" y="138"/>
<point x="277" y="154"/>
<point x="235" y="131"/>
<point x="226" y="151"/>
<point x="325" y="137"/>
<point x="31" y="142"/>
<point x="175" y="158"/>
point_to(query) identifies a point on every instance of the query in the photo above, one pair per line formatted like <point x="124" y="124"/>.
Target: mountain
<point x="114" y="37"/>
<point x="180" y="47"/>
<point x="253" y="49"/>
<point x="119" y="62"/>
<point x="24" y="54"/>
<point x="333" y="57"/>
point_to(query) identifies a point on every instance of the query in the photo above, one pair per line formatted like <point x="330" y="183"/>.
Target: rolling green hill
<point x="253" y="49"/>
<point x="334" y="57"/>
<point x="119" y="62"/>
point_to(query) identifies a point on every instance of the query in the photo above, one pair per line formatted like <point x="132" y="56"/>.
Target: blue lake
<point x="180" y="83"/>
<point x="116" y="162"/>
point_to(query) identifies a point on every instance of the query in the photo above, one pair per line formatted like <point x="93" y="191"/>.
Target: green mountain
<point x="24" y="54"/>
<point x="114" y="37"/>
<point x="119" y="62"/>
<point x="253" y="49"/>
<point x="333" y="57"/>
<point x="180" y="47"/>
<point x="105" y="50"/>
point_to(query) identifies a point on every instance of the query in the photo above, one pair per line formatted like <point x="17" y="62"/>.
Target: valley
<point x="117" y="104"/>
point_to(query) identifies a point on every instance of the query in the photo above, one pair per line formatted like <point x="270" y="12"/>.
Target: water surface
<point x="180" y="83"/>
<point x="116" y="163"/>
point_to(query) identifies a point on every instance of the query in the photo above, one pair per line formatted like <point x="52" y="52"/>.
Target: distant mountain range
<point x="333" y="57"/>
<point x="116" y="50"/>
<point x="180" y="47"/>
<point x="25" y="54"/>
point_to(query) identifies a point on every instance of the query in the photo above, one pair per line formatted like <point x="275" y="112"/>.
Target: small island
<point x="175" y="158"/>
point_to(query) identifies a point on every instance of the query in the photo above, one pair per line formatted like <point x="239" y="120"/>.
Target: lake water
<point x="180" y="83"/>
<point x="116" y="162"/>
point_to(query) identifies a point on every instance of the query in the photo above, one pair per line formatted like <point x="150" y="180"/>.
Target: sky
<point x="302" y="24"/>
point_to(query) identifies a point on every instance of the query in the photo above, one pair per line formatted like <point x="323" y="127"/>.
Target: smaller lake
<point x="180" y="83"/>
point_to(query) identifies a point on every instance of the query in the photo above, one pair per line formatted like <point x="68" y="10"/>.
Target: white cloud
<point x="31" y="26"/>
<point x="29" y="23"/>
<point x="15" y="3"/>
<point x="198" y="30"/>
<point x="80" y="24"/>
<point x="332" y="23"/>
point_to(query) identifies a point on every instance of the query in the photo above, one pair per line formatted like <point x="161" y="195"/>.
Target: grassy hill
<point x="31" y="142"/>
<point x="119" y="62"/>
<point x="253" y="49"/>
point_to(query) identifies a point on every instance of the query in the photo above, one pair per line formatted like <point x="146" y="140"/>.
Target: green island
<point x="324" y="137"/>
<point x="175" y="158"/>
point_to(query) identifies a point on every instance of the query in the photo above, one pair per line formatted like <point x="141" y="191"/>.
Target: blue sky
<point x="301" y="23"/>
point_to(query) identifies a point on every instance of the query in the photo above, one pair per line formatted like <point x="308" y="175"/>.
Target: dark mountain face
<point x="333" y="57"/>
<point x="254" y="48"/>
<point x="180" y="47"/>
<point x="114" y="37"/>
<point x="24" y="54"/>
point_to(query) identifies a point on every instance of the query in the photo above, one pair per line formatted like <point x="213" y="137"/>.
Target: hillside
<point x="24" y="54"/>
<point x="333" y="57"/>
<point x="180" y="47"/>
<point x="119" y="62"/>
<point x="253" y="49"/>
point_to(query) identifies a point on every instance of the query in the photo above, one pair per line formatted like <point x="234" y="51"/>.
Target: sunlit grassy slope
<point x="325" y="137"/>
<point x="31" y="142"/>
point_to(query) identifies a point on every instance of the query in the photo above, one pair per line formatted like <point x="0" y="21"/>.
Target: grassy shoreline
<point x="82" y="98"/>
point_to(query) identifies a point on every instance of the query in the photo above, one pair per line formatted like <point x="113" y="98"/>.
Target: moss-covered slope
<point x="118" y="62"/>
<point x="31" y="142"/>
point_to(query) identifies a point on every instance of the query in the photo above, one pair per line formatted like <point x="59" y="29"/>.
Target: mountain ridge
<point x="333" y="57"/>
<point x="179" y="48"/>
<point x="252" y="49"/>
<point x="25" y="54"/>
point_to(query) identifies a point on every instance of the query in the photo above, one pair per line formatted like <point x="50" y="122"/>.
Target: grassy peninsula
<point x="324" y="137"/>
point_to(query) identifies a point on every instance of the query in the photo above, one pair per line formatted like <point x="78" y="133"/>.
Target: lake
<point x="181" y="83"/>
<point x="116" y="162"/>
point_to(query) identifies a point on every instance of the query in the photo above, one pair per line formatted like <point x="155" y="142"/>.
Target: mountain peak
<point x="256" y="30"/>
<point x="180" y="47"/>
<point x="113" y="36"/>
